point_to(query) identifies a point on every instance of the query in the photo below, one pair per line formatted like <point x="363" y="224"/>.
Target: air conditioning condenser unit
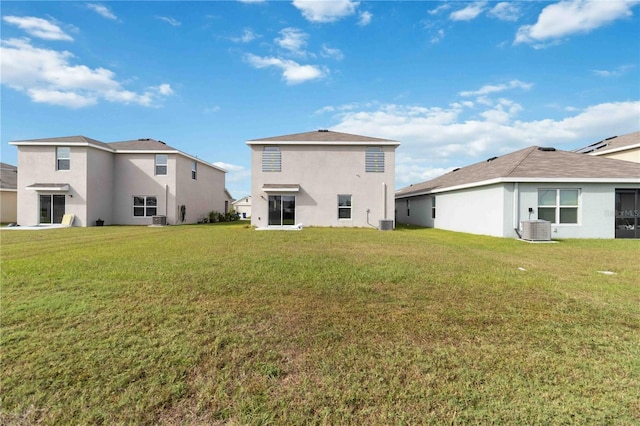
<point x="536" y="230"/>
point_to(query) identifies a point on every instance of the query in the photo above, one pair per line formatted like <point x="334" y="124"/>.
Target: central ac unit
<point x="159" y="220"/>
<point x="536" y="230"/>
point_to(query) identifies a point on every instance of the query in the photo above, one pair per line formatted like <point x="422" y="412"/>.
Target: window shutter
<point x="374" y="160"/>
<point x="271" y="160"/>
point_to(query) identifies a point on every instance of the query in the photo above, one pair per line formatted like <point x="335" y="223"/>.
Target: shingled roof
<point x="141" y="145"/>
<point x="612" y="144"/>
<point x="526" y="165"/>
<point x="8" y="176"/>
<point x="320" y="136"/>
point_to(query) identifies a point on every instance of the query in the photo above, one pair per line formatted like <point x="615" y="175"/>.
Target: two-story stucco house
<point x="125" y="183"/>
<point x="322" y="178"/>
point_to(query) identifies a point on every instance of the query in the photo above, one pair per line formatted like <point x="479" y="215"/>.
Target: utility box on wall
<point x="536" y="230"/>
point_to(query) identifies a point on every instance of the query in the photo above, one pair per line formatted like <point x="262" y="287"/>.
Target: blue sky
<point x="454" y="82"/>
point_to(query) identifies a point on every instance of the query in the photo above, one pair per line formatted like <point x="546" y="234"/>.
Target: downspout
<point x="166" y="200"/>
<point x="384" y="200"/>
<point x="516" y="209"/>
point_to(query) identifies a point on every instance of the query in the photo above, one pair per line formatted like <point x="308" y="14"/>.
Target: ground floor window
<point x="282" y="210"/>
<point x="627" y="213"/>
<point x="51" y="208"/>
<point x="433" y="207"/>
<point x="344" y="206"/>
<point x="145" y="206"/>
<point x="559" y="206"/>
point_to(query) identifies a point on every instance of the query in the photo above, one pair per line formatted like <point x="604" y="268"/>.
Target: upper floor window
<point x="271" y="160"/>
<point x="63" y="158"/>
<point x="344" y="206"/>
<point x="194" y="170"/>
<point x="374" y="160"/>
<point x="558" y="205"/>
<point x="161" y="164"/>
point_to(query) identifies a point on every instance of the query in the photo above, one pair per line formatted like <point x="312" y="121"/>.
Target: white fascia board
<point x="62" y="143"/>
<point x="325" y="143"/>
<point x="522" y="180"/>
<point x="614" y="150"/>
<point x="8" y="190"/>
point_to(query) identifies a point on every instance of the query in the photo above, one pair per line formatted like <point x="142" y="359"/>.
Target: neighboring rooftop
<point x="612" y="144"/>
<point x="323" y="136"/>
<point x="526" y="165"/>
<point x="8" y="176"/>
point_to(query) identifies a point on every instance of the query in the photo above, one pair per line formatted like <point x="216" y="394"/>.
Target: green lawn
<point x="221" y="324"/>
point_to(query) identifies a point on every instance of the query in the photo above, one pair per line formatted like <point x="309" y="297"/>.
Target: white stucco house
<point x="137" y="182"/>
<point x="625" y="147"/>
<point x="8" y="193"/>
<point x="242" y="207"/>
<point x="582" y="196"/>
<point x="322" y="178"/>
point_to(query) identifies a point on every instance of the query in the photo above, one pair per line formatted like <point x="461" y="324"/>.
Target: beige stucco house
<point x="8" y="193"/>
<point x="322" y="178"/>
<point x="138" y="182"/>
<point x="625" y="147"/>
<point x="242" y="207"/>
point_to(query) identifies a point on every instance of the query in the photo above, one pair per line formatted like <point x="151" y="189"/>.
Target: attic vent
<point x="612" y="137"/>
<point x="491" y="159"/>
<point x="144" y="139"/>
<point x="162" y="143"/>
<point x="546" y="148"/>
<point x="456" y="169"/>
<point x="323" y="130"/>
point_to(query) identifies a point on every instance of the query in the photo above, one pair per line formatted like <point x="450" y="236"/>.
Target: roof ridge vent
<point x="144" y="139"/>
<point x="323" y="130"/>
<point x="491" y="159"/>
<point x="546" y="148"/>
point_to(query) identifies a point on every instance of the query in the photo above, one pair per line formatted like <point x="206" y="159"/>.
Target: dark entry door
<point x="627" y="213"/>
<point x="51" y="208"/>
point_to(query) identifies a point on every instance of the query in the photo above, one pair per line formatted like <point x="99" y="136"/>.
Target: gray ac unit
<point x="536" y="230"/>
<point x="159" y="220"/>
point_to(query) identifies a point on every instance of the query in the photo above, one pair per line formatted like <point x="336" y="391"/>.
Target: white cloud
<point x="574" y="16"/>
<point x="439" y="9"/>
<point x="102" y="10"/>
<point x="365" y="19"/>
<point x="38" y="27"/>
<point x="494" y="88"/>
<point x="469" y="13"/>
<point x="292" y="72"/>
<point x="246" y="37"/>
<point x="323" y="11"/>
<point x="293" y="40"/>
<point x="328" y="52"/>
<point x="171" y="21"/>
<point x="506" y="11"/>
<point x="436" y="139"/>
<point x="47" y="76"/>
<point x="617" y="72"/>
<point x="437" y="37"/>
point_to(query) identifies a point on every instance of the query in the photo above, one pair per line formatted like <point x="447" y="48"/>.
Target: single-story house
<point x="242" y="207"/>
<point x="8" y="193"/>
<point x="136" y="182"/>
<point x="322" y="178"/>
<point x="582" y="196"/>
<point x="625" y="147"/>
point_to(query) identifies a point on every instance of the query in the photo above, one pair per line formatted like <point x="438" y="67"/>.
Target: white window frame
<point x="558" y="206"/>
<point x="61" y="158"/>
<point x="159" y="165"/>
<point x="145" y="206"/>
<point x="348" y="207"/>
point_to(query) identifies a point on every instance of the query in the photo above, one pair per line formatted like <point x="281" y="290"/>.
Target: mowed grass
<point x="221" y="324"/>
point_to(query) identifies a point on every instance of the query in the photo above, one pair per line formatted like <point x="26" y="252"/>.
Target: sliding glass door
<point x="627" y="213"/>
<point x="51" y="208"/>
<point x="282" y="210"/>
